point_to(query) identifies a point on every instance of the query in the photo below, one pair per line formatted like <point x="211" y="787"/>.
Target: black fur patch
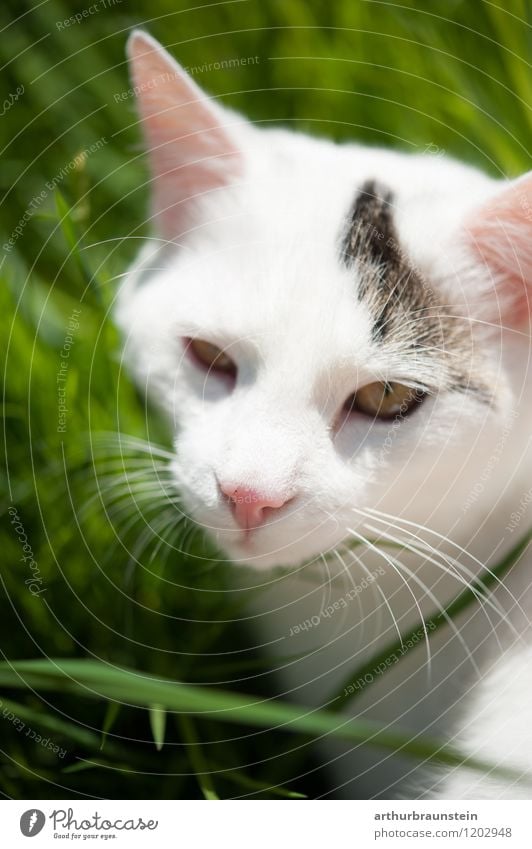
<point x="407" y="313"/>
<point x="371" y="235"/>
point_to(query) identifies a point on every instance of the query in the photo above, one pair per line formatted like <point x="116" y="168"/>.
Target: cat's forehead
<point x="275" y="294"/>
<point x="319" y="262"/>
<point x="266" y="258"/>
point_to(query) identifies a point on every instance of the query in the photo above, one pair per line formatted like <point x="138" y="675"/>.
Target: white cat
<point x="341" y="337"/>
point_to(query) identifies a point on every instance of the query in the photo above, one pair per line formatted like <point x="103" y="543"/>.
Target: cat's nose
<point x="249" y="507"/>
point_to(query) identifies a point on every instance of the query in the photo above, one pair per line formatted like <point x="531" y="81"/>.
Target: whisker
<point x="131" y="495"/>
<point x="118" y="440"/>
<point x="152" y="531"/>
<point x="143" y="507"/>
<point x="426" y="551"/>
<point x="326" y="596"/>
<point x="436" y="603"/>
<point x="171" y="525"/>
<point x="362" y="618"/>
<point x="107" y="481"/>
<point x="444" y="568"/>
<point x="423" y="547"/>
<point x="453" y="543"/>
<point x="378" y="608"/>
<point x="121" y="532"/>
<point x="123" y="462"/>
<point x="346" y="572"/>
<point x="368" y="573"/>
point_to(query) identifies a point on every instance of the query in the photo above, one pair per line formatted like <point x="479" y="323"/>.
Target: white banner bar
<point x="263" y="824"/>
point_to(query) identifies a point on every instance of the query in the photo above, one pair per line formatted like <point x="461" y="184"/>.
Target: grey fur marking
<point x="406" y="311"/>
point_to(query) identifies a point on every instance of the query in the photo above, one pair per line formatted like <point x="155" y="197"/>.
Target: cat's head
<point x="321" y="322"/>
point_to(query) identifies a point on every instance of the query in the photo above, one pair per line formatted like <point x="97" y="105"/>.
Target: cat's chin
<point x="252" y="552"/>
<point x="249" y="558"/>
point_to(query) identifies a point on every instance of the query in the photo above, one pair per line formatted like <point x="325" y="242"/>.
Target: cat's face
<point x="306" y="320"/>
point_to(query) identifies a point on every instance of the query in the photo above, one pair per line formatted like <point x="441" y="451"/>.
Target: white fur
<point x="258" y="274"/>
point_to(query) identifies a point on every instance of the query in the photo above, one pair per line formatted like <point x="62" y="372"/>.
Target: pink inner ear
<point x="501" y="233"/>
<point x="190" y="151"/>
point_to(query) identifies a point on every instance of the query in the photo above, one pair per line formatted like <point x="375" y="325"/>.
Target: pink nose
<point x="249" y="507"/>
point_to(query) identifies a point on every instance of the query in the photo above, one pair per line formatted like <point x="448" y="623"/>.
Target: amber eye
<point x="210" y="357"/>
<point x="385" y="400"/>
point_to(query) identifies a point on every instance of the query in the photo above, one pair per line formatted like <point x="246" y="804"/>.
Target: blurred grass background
<point x="450" y="76"/>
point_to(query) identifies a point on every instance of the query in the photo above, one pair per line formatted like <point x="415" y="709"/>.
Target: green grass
<point x="449" y="76"/>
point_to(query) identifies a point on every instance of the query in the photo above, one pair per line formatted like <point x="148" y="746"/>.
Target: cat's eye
<point x="211" y="357"/>
<point x="384" y="400"/>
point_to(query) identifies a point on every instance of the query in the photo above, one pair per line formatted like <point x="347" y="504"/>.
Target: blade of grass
<point x="196" y="758"/>
<point x="68" y="229"/>
<point x="111" y="714"/>
<point x="157" y="724"/>
<point x="52" y="723"/>
<point x="93" y="679"/>
<point x="83" y="766"/>
<point x="252" y="784"/>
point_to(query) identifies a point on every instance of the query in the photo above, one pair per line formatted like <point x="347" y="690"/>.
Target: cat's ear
<point x="188" y="135"/>
<point x="499" y="233"/>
